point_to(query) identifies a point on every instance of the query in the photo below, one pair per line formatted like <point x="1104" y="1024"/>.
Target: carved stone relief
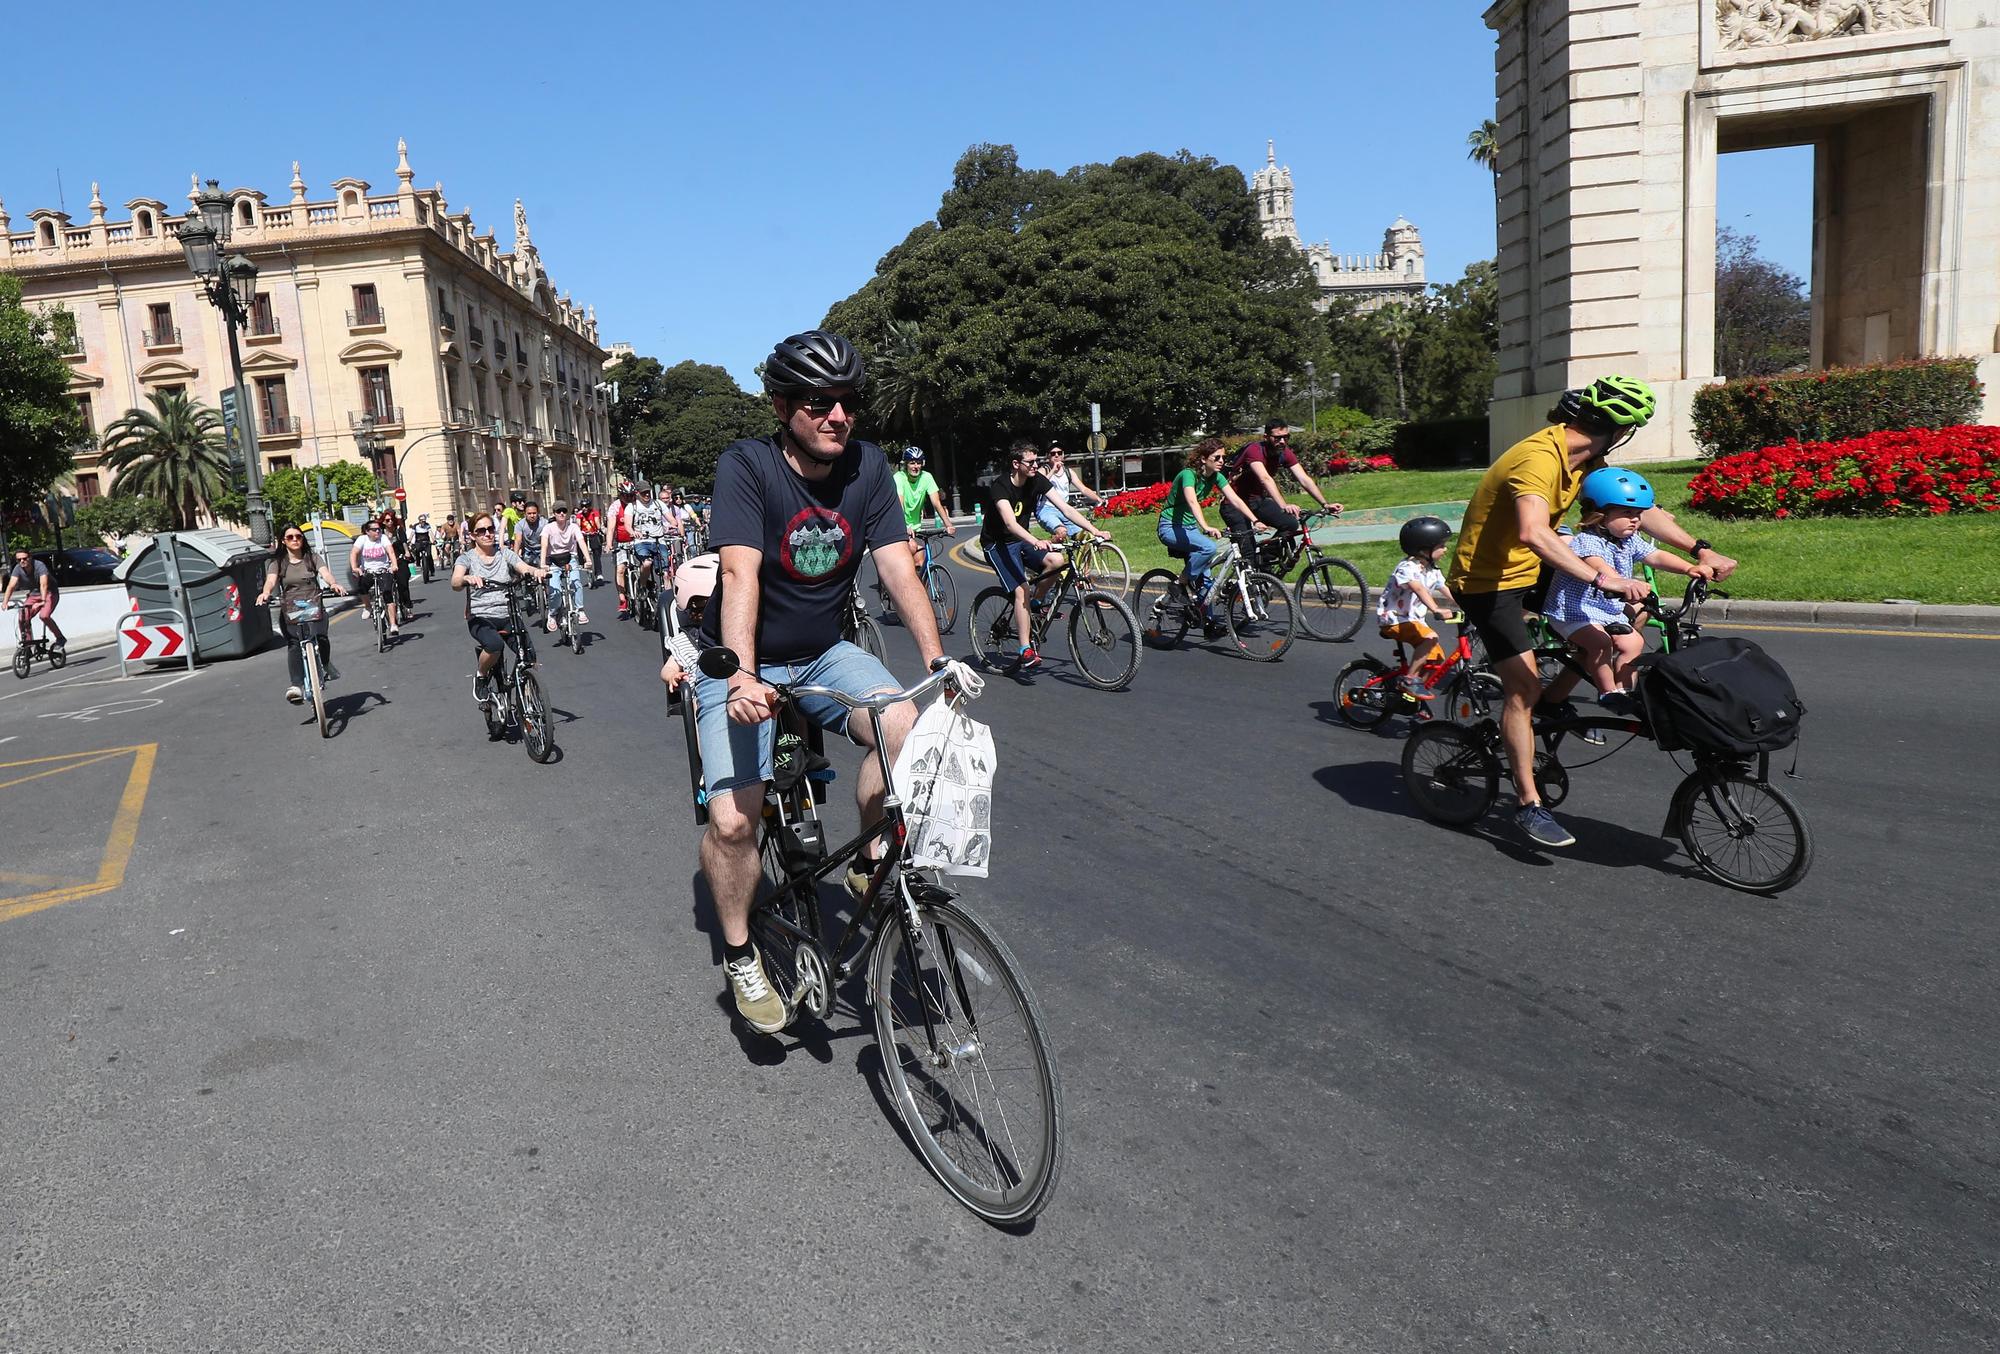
<point x="1773" y="23"/>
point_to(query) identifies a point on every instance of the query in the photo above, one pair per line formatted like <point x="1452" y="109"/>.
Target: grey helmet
<point x="814" y="360"/>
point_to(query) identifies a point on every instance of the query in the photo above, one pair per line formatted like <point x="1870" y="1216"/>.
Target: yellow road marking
<point x="1906" y="633"/>
<point x="12" y="877"/>
<point x="117" y="846"/>
<point x="959" y="555"/>
<point x="91" y="760"/>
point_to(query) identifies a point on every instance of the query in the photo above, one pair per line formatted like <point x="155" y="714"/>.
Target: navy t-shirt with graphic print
<point x="813" y="536"/>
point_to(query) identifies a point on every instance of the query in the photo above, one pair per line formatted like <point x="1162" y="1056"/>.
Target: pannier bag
<point x="1720" y="695"/>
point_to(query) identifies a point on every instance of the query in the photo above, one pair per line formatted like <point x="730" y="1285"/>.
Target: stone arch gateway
<point x="1611" y="114"/>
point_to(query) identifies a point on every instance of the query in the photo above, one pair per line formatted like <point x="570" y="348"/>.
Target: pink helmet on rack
<point x="696" y="579"/>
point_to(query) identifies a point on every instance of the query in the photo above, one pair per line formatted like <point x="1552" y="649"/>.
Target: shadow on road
<point x="354" y="704"/>
<point x="1369" y="785"/>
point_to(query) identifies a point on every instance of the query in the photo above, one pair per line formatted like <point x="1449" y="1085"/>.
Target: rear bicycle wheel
<point x="992" y="627"/>
<point x="1104" y="641"/>
<point x="536" y="734"/>
<point x="1260" y="618"/>
<point x="868" y="635"/>
<point x="943" y="589"/>
<point x="967" y="1061"/>
<point x="1332" y="599"/>
<point x="1450" y="773"/>
<point x="1743" y="832"/>
<point x="1160" y="608"/>
<point x="1363" y="692"/>
<point x="1103" y="565"/>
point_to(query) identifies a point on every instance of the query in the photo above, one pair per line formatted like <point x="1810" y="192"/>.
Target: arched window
<point x="350" y="198"/>
<point x="48" y="232"/>
<point x="246" y="215"/>
<point x="143" y="221"/>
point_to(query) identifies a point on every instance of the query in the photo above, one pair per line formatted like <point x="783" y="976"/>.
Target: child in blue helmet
<point x="1601" y="626"/>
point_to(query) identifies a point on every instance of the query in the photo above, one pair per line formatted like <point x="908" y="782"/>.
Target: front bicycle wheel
<point x="536" y="733"/>
<point x="1743" y="832"/>
<point x="1468" y="697"/>
<point x="944" y="597"/>
<point x="316" y="684"/>
<point x="1104" y="641"/>
<point x="1364" y="692"/>
<point x="868" y="635"/>
<point x="1158" y="607"/>
<point x="23" y="661"/>
<point x="993" y="627"/>
<point x="967" y="1063"/>
<point x="1104" y="566"/>
<point x="1452" y="776"/>
<point x="1332" y="599"/>
<point x="1260" y="618"/>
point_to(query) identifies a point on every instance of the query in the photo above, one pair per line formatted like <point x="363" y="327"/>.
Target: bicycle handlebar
<point x="968" y="683"/>
<point x="1699" y="590"/>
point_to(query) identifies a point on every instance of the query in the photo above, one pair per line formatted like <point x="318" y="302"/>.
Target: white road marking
<point x="169" y="682"/>
<point x="91" y="713"/>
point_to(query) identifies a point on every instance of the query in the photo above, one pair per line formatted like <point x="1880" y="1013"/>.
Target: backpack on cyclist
<point x="1720" y="695"/>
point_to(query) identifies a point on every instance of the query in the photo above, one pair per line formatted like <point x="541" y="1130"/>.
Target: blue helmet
<point x="913" y="454"/>
<point x="1613" y="487"/>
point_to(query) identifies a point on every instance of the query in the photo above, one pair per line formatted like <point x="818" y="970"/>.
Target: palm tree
<point x="899" y="392"/>
<point x="174" y="452"/>
<point x="1483" y="145"/>
<point x="1397" y="326"/>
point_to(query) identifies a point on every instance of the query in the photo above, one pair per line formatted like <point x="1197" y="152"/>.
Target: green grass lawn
<point x="1941" y="560"/>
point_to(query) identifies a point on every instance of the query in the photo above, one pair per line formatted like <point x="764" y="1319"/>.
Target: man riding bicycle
<point x="1015" y="552"/>
<point x="792" y="515"/>
<point x="1250" y="475"/>
<point x="373" y="558"/>
<point x="39" y="594"/>
<point x="917" y="488"/>
<point x="653" y="521"/>
<point x="1508" y="540"/>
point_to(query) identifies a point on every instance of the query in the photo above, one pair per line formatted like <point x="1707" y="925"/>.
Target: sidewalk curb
<point x="1917" y="618"/>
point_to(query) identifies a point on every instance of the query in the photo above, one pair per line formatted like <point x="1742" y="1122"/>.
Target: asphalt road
<point x="399" y="1041"/>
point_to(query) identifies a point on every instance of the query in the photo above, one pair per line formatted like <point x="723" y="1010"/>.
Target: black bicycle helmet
<point x="814" y="360"/>
<point x="1421" y="535"/>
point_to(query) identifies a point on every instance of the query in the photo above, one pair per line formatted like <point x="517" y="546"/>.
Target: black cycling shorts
<point x="486" y="633"/>
<point x="1500" y="619"/>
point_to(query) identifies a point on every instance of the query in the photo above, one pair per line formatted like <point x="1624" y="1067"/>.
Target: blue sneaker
<point x="1539" y="826"/>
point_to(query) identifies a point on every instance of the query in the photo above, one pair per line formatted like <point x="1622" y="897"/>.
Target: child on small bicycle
<point x="1415" y="589"/>
<point x="1597" y="625"/>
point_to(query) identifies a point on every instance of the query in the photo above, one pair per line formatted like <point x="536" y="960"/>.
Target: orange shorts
<point x="1423" y="640"/>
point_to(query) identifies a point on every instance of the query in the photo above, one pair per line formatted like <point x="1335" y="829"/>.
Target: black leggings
<point x="296" y="661"/>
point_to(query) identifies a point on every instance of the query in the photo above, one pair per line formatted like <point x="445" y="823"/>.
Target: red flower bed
<point x="1145" y="502"/>
<point x="1907" y="473"/>
<point x="1342" y="464"/>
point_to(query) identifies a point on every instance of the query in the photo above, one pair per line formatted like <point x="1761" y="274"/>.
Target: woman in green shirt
<point x="1183" y="529"/>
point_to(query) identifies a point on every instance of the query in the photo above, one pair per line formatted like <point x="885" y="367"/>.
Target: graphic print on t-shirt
<point x="817" y="542"/>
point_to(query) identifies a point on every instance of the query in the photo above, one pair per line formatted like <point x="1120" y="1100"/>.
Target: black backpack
<point x="1720" y="695"/>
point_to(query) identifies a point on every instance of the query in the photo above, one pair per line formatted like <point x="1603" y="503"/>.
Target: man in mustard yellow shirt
<point x="1509" y="534"/>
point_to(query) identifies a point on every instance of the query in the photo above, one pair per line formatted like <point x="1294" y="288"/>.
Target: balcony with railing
<point x="160" y="338"/>
<point x="281" y="428"/>
<point x="477" y="333"/>
<point x="536" y="433"/>
<point x="447" y="321"/>
<point x="263" y="329"/>
<point x="72" y="347"/>
<point x="520" y="356"/>
<point x="368" y="317"/>
<point x="461" y="416"/>
<point x="384" y="415"/>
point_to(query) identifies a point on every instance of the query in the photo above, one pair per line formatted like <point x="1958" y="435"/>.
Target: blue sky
<point x="712" y="182"/>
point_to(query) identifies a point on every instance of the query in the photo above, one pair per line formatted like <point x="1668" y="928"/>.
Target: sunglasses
<point x="819" y="406"/>
<point x="482" y="531"/>
<point x="293" y="536"/>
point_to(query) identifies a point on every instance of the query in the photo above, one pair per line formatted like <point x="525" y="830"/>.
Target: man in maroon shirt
<point x="1252" y="476"/>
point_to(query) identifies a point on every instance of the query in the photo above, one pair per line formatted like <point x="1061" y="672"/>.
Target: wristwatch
<point x="1701" y="545"/>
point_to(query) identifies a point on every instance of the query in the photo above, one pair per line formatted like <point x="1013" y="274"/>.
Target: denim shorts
<point x="1016" y="562"/>
<point x="642" y="550"/>
<point x="1051" y="517"/>
<point x="740" y="754"/>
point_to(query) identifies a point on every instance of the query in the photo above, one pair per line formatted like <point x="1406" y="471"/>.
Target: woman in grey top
<point x="482" y="574"/>
<point x="296" y="574"/>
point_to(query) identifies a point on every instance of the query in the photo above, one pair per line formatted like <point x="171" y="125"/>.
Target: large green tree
<point x="39" y="424"/>
<point x="173" y="452"/>
<point x="1430" y="359"/>
<point x="292" y="492"/>
<point x="679" y="418"/>
<point x="1143" y="285"/>
<point x="1763" y="314"/>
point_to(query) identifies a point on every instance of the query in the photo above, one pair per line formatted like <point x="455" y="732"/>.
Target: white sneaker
<point x="552" y="625"/>
<point x="294" y="694"/>
<point x="395" y="633"/>
<point x="582" y="619"/>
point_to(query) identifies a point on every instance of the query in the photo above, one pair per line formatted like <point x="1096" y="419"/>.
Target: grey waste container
<point x="212" y="577"/>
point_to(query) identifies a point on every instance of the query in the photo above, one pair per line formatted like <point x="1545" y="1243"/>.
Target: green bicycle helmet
<point x="1609" y="404"/>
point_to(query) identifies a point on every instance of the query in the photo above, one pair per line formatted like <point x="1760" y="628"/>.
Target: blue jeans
<point x="570" y="574"/>
<point x="1185" y="540"/>
<point x="740" y="754"/>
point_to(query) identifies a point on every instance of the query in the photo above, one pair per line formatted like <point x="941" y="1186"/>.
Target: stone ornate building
<point x="1611" y="116"/>
<point x="388" y="306"/>
<point x="1395" y="274"/>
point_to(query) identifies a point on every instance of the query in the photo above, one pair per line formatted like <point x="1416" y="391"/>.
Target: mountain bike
<point x="563" y="609"/>
<point x="298" y="621"/>
<point x="643" y="583"/>
<point x="965" y="1055"/>
<point x="856" y="625"/>
<point x="1103" y="637"/>
<point x="1738" y="828"/>
<point x="938" y="583"/>
<point x="28" y="649"/>
<point x="1323" y="611"/>
<point x="1258" y="616"/>
<point x="381" y="592"/>
<point x="517" y="700"/>
<point x="1367" y="691"/>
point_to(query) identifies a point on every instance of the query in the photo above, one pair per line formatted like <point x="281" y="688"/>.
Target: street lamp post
<point x="231" y="287"/>
<point x="1313" y="387"/>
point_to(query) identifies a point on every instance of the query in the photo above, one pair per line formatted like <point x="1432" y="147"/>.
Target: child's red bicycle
<point x="1368" y="691"/>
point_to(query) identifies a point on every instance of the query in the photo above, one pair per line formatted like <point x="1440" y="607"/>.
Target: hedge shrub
<point x="1835" y="404"/>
